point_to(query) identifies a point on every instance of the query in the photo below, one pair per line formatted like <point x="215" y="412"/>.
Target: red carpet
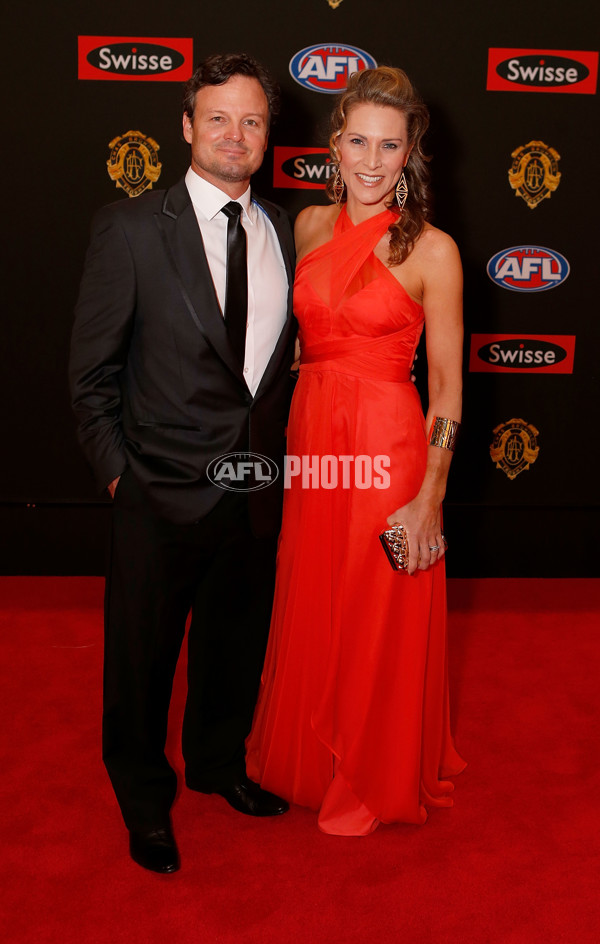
<point x="515" y="861"/>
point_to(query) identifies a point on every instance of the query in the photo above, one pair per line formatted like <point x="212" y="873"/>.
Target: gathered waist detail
<point x="379" y="358"/>
<point x="356" y="367"/>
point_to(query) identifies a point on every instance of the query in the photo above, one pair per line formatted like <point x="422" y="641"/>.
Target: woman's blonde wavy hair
<point x="391" y="87"/>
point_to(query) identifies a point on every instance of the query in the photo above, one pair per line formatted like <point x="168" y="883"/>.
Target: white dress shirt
<point x="267" y="277"/>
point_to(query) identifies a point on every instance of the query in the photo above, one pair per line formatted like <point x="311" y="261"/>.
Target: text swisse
<point x="496" y="354"/>
<point x="542" y="70"/>
<point x="533" y="71"/>
<point x="134" y="58"/>
<point x="301" y="168"/>
<point x="510" y="353"/>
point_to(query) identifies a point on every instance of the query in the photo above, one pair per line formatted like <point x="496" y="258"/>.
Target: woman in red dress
<point x="352" y="717"/>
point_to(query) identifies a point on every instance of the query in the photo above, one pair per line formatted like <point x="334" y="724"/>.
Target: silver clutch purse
<point x="395" y="544"/>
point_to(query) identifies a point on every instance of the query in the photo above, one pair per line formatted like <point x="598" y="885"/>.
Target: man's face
<point x="229" y="133"/>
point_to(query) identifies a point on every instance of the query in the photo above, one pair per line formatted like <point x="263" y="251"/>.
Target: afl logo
<point x="528" y="268"/>
<point x="327" y="67"/>
<point x="242" y="472"/>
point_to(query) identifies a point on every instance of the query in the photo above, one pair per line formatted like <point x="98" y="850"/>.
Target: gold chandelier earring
<point x="338" y="185"/>
<point x="401" y="191"/>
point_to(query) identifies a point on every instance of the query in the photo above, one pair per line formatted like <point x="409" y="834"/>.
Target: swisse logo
<point x="327" y="67"/>
<point x="242" y="472"/>
<point x="528" y="268"/>
<point x="136" y="59"/>
<point x="301" y="168"/>
<point x="127" y="59"/>
<point x="524" y="353"/>
<point x="542" y="70"/>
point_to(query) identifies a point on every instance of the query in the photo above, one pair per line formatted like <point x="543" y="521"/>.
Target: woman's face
<point x="373" y="151"/>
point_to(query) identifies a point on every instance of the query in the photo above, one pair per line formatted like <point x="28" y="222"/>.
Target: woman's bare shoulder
<point x="314" y="226"/>
<point x="436" y="245"/>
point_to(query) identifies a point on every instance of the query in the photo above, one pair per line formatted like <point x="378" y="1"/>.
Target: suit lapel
<point x="179" y="229"/>
<point x="181" y="235"/>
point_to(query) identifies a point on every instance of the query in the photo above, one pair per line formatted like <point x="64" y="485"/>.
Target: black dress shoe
<point x="154" y="848"/>
<point x="247" y="797"/>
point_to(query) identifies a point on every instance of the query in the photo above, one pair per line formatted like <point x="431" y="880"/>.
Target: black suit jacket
<point x="153" y="377"/>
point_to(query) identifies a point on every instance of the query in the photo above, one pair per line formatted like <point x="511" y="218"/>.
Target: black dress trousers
<point x="158" y="573"/>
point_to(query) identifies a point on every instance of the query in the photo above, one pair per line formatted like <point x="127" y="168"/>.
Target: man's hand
<point x="113" y="486"/>
<point x="413" y="376"/>
<point x="296" y="365"/>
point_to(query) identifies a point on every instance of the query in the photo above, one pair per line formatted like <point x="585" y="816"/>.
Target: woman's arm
<point x="442" y="303"/>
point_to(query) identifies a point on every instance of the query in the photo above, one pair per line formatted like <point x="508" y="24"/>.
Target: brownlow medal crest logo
<point x="534" y="173"/>
<point x="514" y="447"/>
<point x="133" y="163"/>
<point x="334" y="4"/>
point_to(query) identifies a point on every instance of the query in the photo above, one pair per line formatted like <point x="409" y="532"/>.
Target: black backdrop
<point x="57" y="128"/>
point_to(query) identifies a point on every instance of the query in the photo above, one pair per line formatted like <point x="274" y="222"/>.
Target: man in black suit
<point x="162" y="383"/>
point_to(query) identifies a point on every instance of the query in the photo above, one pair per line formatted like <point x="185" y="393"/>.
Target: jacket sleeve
<point x="99" y="345"/>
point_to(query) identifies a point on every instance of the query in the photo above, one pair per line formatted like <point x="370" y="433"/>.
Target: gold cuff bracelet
<point x="443" y="433"/>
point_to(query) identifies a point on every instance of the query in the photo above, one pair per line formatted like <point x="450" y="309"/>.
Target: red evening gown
<point x="352" y="717"/>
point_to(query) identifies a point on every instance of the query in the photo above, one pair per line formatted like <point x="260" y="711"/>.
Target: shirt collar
<point x="209" y="200"/>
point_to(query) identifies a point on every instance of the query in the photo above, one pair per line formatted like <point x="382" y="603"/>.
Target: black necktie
<point x="236" y="293"/>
